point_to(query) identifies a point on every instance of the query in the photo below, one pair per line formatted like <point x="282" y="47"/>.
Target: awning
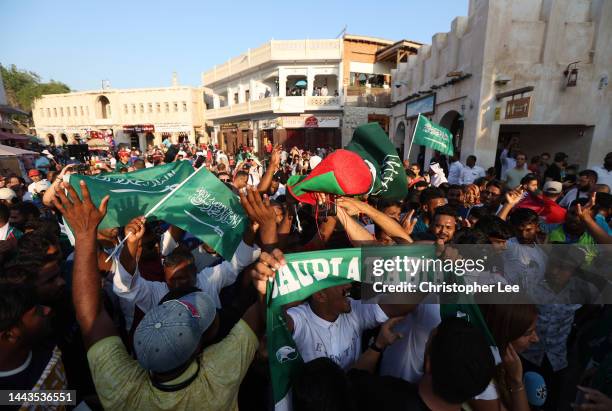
<point x="12" y="110"/>
<point x="4" y="135"/>
<point x="14" y="151"/>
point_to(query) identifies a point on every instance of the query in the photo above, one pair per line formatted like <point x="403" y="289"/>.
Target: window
<point x="42" y="112"/>
<point x="74" y="111"/>
<point x="235" y="98"/>
<point x="175" y="106"/>
<point x="48" y="112"/>
<point x="150" y="107"/>
<point x="103" y="107"/>
<point x="54" y="112"/>
<point x="167" y="107"/>
<point x="61" y="111"/>
<point x="141" y="108"/>
<point x="125" y="109"/>
<point x="184" y="106"/>
<point x="67" y="111"/>
<point x="81" y="110"/>
<point x="133" y="108"/>
<point x="246" y="95"/>
<point x="108" y="110"/>
<point x="158" y="107"/>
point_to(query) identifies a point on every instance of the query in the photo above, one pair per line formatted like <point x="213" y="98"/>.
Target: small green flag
<point x="372" y="144"/>
<point x="427" y="133"/>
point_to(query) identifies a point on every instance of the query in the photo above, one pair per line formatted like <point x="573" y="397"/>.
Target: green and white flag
<point x="195" y="201"/>
<point x="372" y="144"/>
<point x="132" y="194"/>
<point x="427" y="133"/>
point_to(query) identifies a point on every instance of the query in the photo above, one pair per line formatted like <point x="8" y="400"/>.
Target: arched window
<point x="103" y="107"/>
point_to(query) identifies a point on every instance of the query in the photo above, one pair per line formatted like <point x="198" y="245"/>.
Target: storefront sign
<point x="173" y="128"/>
<point x="229" y="126"/>
<point x="518" y="108"/>
<point x="139" y="128"/>
<point x="424" y="105"/>
<point x="267" y="124"/>
<point x="244" y="125"/>
<point x="309" y="121"/>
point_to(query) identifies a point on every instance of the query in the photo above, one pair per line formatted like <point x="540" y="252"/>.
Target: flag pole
<point x="154" y="208"/>
<point x="412" y="139"/>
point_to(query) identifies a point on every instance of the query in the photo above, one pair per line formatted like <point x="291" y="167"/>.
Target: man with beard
<point x="22" y="213"/>
<point x="515" y="174"/>
<point x="28" y="358"/>
<point x="586" y="183"/>
<point x="443" y="227"/>
<point x="492" y="196"/>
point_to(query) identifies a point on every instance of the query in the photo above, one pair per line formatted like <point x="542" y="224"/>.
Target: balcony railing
<point x="367" y="97"/>
<point x="276" y="50"/>
<point x="288" y="104"/>
<point x="248" y="107"/>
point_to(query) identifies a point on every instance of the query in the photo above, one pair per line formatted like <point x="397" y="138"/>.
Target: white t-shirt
<point x="341" y="340"/>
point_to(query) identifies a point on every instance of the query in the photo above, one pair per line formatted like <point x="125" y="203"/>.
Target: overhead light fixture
<point x="455" y="74"/>
<point x="571" y="74"/>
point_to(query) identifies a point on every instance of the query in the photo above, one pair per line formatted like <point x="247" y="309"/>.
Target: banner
<point x="310" y="272"/>
<point x="372" y="144"/>
<point x="432" y="135"/>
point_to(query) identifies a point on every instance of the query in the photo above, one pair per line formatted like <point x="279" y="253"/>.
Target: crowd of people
<point x="167" y="323"/>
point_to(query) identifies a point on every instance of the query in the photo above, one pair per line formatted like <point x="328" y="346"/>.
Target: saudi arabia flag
<point x="427" y="133"/>
<point x="195" y="201"/>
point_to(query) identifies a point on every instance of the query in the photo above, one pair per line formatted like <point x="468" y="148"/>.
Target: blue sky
<point x="140" y="43"/>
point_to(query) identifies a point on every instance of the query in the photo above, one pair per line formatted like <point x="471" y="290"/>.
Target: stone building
<point x="537" y="70"/>
<point x="137" y="117"/>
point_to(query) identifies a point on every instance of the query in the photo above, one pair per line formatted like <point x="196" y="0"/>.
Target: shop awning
<point x="8" y="151"/>
<point x="97" y="144"/>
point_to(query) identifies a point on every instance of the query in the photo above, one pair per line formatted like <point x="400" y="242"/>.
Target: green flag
<point x="372" y="144"/>
<point x="208" y="209"/>
<point x="427" y="133"/>
<point x="195" y="201"/>
<point x="132" y="194"/>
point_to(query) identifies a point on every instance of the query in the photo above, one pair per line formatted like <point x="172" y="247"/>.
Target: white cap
<point x="314" y="161"/>
<point x="40" y="186"/>
<point x="7" y="194"/>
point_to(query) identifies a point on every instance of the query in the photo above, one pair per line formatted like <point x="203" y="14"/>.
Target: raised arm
<point x="513" y="197"/>
<point x="585" y="214"/>
<point x="84" y="219"/>
<point x="266" y="180"/>
<point x="386" y="336"/>
<point x="355" y="231"/>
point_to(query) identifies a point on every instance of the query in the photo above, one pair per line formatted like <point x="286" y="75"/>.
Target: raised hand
<point x="350" y="205"/>
<point x="584" y="213"/>
<point x="408" y="223"/>
<point x="265" y="268"/>
<point x="82" y="215"/>
<point x="597" y="401"/>
<point x="514" y="196"/>
<point x="137" y="229"/>
<point x="386" y="335"/>
<point x="513" y="366"/>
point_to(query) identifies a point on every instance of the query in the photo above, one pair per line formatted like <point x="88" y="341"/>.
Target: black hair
<point x="461" y="361"/>
<point x="421" y="184"/>
<point x="241" y="173"/>
<point x="493" y="226"/>
<point x="603" y="200"/>
<point x="381" y="204"/>
<point x="454" y="187"/>
<point x="321" y="385"/>
<point x="588" y="174"/>
<point x="529" y="177"/>
<point x="479" y="212"/>
<point x="22" y="270"/>
<point x="34" y="245"/>
<point x="522" y="216"/>
<point x="560" y="157"/>
<point x="431" y="193"/>
<point x="177" y="256"/>
<point x="496" y="183"/>
<point x="471" y="237"/>
<point x="27" y="208"/>
<point x="445" y="210"/>
<point x="5" y="212"/>
<point x="581" y="201"/>
<point x="470" y="157"/>
<point x="410" y="173"/>
<point x="479" y="181"/>
<point x="15" y="300"/>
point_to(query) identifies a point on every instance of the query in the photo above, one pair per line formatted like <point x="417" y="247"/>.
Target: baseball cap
<point x="42" y="185"/>
<point x="7" y="194"/>
<point x="168" y="335"/>
<point x="33" y="172"/>
<point x="552" y="187"/>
